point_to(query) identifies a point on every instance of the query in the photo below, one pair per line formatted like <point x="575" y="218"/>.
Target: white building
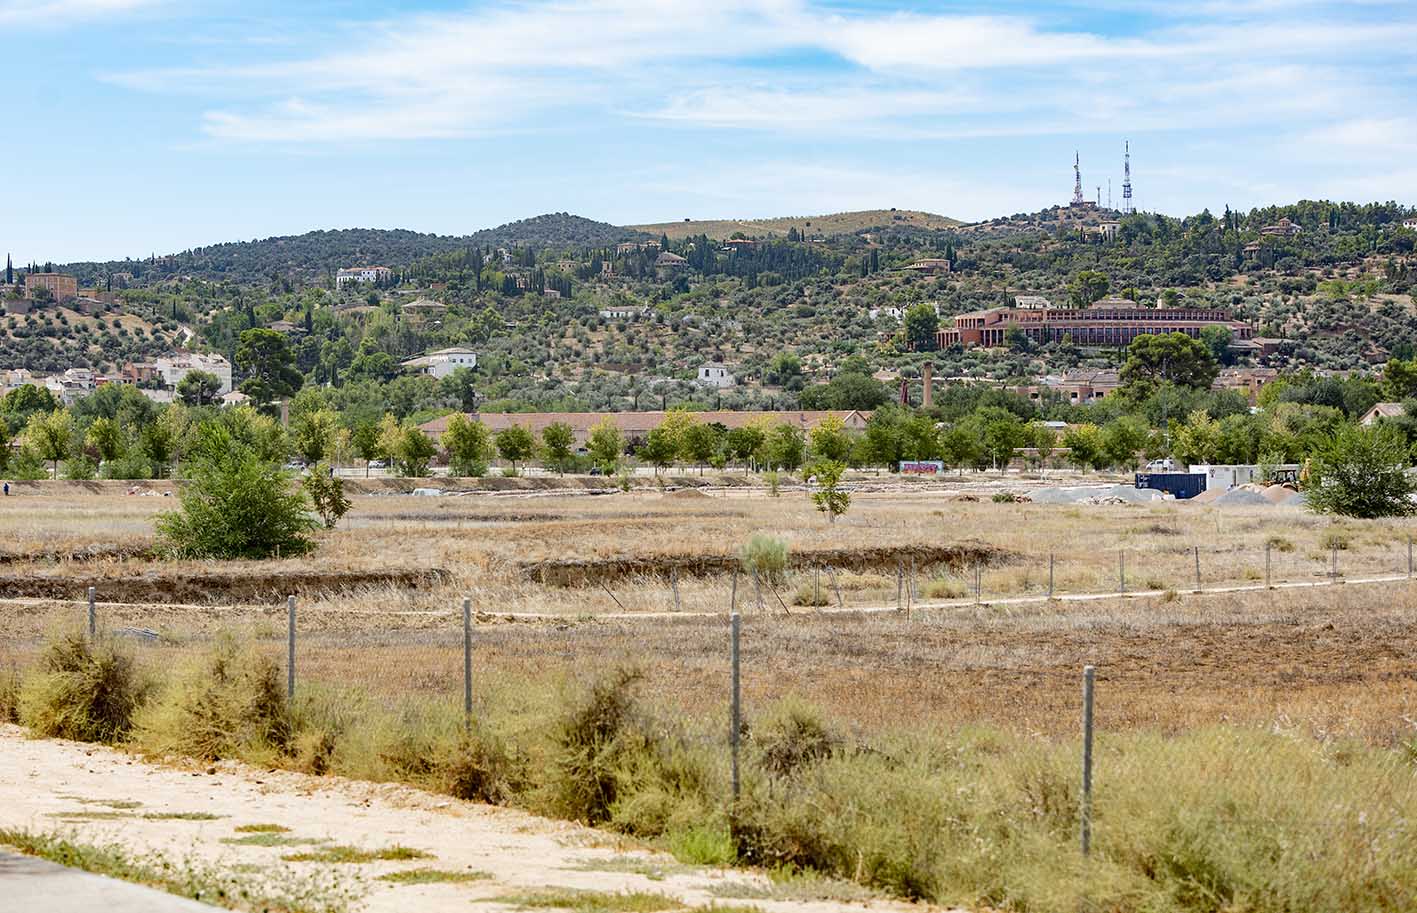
<point x="442" y="362"/>
<point x="172" y="368"/>
<point x="362" y="274"/>
<point x="716" y="376"/>
<point x="622" y="312"/>
<point x="1032" y="302"/>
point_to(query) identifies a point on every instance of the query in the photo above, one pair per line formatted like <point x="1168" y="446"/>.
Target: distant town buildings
<point x="929" y="266"/>
<point x="443" y="362"/>
<point x="1031" y="302"/>
<point x="1283" y="228"/>
<point x="172" y="368"/>
<point x="622" y="312"/>
<point x="715" y="376"/>
<point x="1110" y="322"/>
<point x="62" y="287"/>
<point x="363" y="274"/>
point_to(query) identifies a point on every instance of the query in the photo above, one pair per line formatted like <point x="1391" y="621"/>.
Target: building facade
<point x="63" y="287"/>
<point x="443" y="362"/>
<point x="362" y="274"/>
<point x="1105" y="324"/>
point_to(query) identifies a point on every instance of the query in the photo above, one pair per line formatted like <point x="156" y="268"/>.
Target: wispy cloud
<point x="1283" y="69"/>
<point x="59" y="13"/>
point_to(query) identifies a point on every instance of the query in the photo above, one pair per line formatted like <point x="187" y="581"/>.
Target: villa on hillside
<point x="1109" y="322"/>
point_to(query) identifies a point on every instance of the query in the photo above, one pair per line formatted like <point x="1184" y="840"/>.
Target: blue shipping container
<point x="1180" y="484"/>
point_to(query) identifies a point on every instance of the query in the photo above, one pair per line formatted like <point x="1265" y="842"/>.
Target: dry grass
<point x="1331" y="659"/>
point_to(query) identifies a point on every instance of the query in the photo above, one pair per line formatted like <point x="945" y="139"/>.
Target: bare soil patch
<point x="573" y="572"/>
<point x="262" y="583"/>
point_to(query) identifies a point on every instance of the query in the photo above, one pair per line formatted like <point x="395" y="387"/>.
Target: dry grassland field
<point x="556" y="580"/>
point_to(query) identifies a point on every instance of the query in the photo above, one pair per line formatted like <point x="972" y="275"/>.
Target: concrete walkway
<point x="29" y="884"/>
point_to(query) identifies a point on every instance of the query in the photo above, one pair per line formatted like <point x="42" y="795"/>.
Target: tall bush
<point x="236" y="505"/>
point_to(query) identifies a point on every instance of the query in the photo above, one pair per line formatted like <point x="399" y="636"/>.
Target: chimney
<point x="927" y="399"/>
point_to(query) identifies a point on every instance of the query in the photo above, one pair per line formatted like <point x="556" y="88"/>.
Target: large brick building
<point x="1110" y="322"/>
<point x="63" y="287"/>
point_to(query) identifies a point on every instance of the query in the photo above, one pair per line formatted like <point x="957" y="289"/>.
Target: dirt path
<point x="43" y="781"/>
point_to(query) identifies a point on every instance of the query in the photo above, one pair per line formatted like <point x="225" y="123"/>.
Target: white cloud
<point x="1277" y="66"/>
<point x="58" y="13"/>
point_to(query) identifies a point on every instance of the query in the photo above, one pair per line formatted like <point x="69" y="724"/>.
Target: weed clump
<point x="591" y="741"/>
<point x="792" y="737"/>
<point x="230" y="704"/>
<point x="766" y="556"/>
<point x="86" y="691"/>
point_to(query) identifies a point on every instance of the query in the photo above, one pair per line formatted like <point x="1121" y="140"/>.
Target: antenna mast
<point x="1127" y="179"/>
<point x="1077" y="180"/>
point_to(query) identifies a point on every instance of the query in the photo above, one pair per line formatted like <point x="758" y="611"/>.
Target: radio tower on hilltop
<point x="1077" y="181"/>
<point x="1127" y="179"/>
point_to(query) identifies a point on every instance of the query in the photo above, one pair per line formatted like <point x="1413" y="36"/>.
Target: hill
<point x="316" y="254"/>
<point x="557" y="229"/>
<point x="840" y="223"/>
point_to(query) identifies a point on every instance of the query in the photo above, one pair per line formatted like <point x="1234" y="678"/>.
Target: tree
<point x="313" y="433"/>
<point x="198" y="388"/>
<point x="235" y="505"/>
<point x="1087" y="287"/>
<point x="462" y="386"/>
<point x="920" y="323"/>
<point x="848" y="390"/>
<point x="606" y="445"/>
<point x="699" y="443"/>
<point x="412" y="451"/>
<point x="1122" y="439"/>
<point x="469" y="446"/>
<point x="1197" y="441"/>
<point x="21" y="403"/>
<point x="326" y="493"/>
<point x="105" y="438"/>
<point x="1400" y="379"/>
<point x="660" y="447"/>
<point x="558" y="442"/>
<point x="828" y="495"/>
<point x="830" y="440"/>
<point x="51" y="436"/>
<point x="1085" y="446"/>
<point x="367" y="445"/>
<point x="1217" y="340"/>
<point x="516" y="444"/>
<point x="742" y="442"/>
<point x="1166" y="358"/>
<point x="785" y="447"/>
<point x="1362" y="472"/>
<point x="266" y="358"/>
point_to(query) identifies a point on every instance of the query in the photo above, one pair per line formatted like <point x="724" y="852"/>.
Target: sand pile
<point x="1098" y="494"/>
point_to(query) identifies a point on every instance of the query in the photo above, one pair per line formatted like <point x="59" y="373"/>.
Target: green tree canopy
<point x="1166" y="358"/>
<point x="270" y="369"/>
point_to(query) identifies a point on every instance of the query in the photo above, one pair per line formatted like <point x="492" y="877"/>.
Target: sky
<point x="153" y="126"/>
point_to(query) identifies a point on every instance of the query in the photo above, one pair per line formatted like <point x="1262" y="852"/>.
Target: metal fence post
<point x="978" y="583"/>
<point x="757" y="590"/>
<point x="1198" y="568"/>
<point x="733" y="594"/>
<point x="467" y="662"/>
<point x="735" y="716"/>
<point x="1333" y="572"/>
<point x="1267" y="576"/>
<point x="1050" y="575"/>
<point x="899" y="583"/>
<point x="1122" y="570"/>
<point x="1409" y="555"/>
<point x="93" y="616"/>
<point x="290" y="649"/>
<point x="1088" y="677"/>
<point x="674" y="585"/>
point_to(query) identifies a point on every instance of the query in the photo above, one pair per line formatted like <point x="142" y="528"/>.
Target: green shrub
<point x="85" y="691"/>
<point x="326" y="492"/>
<point x="79" y="469"/>
<point x="236" y="504"/>
<point x="766" y="555"/>
<point x="1362" y="472"/>
<point x="131" y="465"/>
<point x="591" y="742"/>
<point x="231" y="703"/>
<point x="793" y="736"/>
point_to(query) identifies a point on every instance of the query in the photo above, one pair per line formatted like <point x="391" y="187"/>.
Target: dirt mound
<point x="686" y="493"/>
<point x="256" y="585"/>
<point x="592" y="572"/>
<point x="95" y="552"/>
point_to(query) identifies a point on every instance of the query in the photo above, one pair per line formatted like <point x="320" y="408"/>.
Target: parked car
<point x="1166" y="465"/>
<point x="377" y="464"/>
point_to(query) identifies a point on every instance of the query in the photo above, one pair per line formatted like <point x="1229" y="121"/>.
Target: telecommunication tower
<point x="1077" y="180"/>
<point x="1127" y="179"/>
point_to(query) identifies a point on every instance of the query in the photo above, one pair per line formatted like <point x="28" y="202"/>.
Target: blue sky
<point x="141" y="126"/>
